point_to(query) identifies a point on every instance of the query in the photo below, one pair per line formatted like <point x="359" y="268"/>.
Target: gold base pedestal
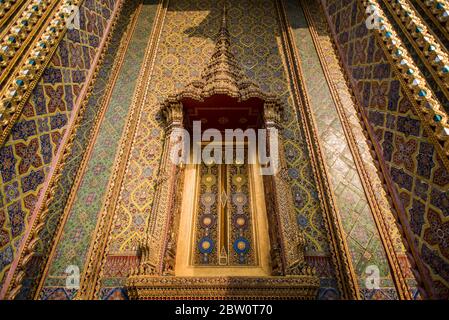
<point x="303" y="287"/>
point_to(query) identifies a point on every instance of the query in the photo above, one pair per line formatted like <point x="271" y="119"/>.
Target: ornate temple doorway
<point x="230" y="232"/>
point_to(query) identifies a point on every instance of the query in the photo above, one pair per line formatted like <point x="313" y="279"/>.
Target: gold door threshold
<point x="145" y="287"/>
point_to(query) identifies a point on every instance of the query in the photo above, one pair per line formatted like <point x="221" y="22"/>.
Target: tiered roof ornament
<point x="223" y="75"/>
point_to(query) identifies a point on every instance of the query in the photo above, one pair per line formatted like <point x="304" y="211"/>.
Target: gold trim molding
<point x="437" y="10"/>
<point x="20" y="32"/>
<point x="432" y="115"/>
<point x="431" y="52"/>
<point x="7" y="9"/>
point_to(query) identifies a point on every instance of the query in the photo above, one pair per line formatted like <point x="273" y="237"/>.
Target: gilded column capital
<point x="173" y="114"/>
<point x="272" y="112"/>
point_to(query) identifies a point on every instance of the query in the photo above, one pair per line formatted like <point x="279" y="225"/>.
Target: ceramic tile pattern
<point x="415" y="167"/>
<point x="356" y="216"/>
<point x="56" y="208"/>
<point x="87" y="205"/>
<point x="343" y="93"/>
<point x="26" y="155"/>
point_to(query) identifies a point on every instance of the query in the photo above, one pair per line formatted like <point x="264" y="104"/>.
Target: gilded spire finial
<point x="224" y="24"/>
<point x="224" y="33"/>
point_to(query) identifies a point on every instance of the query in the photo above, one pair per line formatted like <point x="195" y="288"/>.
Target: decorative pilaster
<point x="157" y="256"/>
<point x="174" y="117"/>
<point x="292" y="242"/>
<point x="160" y="252"/>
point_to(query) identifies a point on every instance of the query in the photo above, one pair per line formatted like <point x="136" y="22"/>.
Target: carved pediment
<point x="223" y="75"/>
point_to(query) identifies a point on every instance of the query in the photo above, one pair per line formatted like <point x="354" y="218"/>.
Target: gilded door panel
<point x="224" y="234"/>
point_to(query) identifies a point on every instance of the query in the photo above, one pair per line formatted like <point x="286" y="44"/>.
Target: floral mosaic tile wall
<point x="78" y="232"/>
<point x="26" y="156"/>
<point x="415" y="167"/>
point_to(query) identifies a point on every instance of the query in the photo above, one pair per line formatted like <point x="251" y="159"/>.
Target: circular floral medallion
<point x="240" y="221"/>
<point x="207" y="199"/>
<point x="239" y="199"/>
<point x="207" y="220"/>
<point x="241" y="245"/>
<point x="206" y="245"/>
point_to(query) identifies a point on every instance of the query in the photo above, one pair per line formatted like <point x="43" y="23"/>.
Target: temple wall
<point x="34" y="141"/>
<point x="415" y="168"/>
<point x="98" y="211"/>
<point x="183" y="48"/>
<point x="371" y="233"/>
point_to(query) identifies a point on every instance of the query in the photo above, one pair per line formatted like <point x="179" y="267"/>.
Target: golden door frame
<point x="283" y="272"/>
<point x="184" y="265"/>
